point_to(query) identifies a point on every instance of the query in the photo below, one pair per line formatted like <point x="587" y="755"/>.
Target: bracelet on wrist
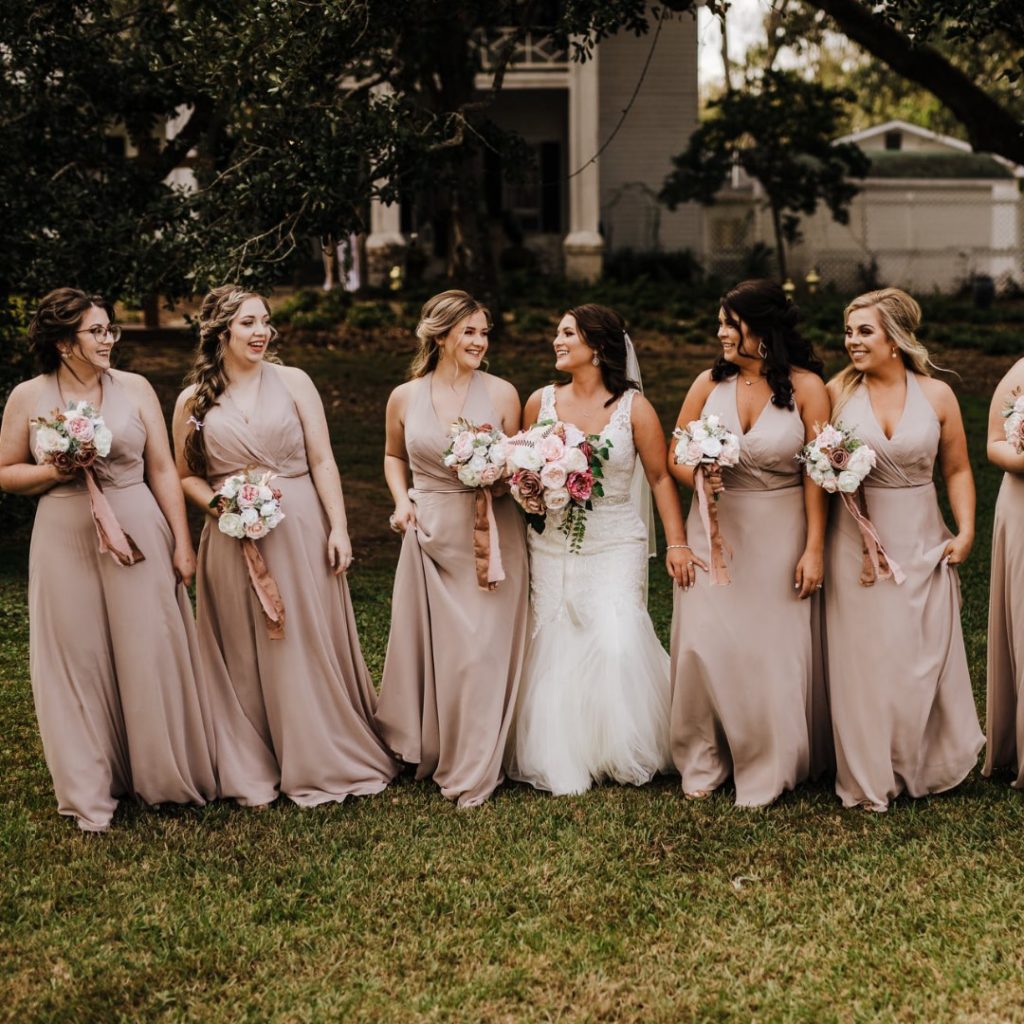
<point x="676" y="547"/>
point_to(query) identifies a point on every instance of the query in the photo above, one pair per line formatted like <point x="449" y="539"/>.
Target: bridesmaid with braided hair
<point x="292" y="713"/>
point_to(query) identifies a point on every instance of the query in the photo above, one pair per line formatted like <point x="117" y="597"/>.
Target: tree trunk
<point x="329" y="252"/>
<point x="780" y="243"/>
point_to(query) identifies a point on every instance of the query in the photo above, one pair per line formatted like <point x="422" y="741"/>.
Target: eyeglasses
<point x="99" y="333"/>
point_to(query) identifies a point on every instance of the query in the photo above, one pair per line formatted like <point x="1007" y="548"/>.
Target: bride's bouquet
<point x="249" y="508"/>
<point x="555" y="471"/>
<point x="72" y="441"/>
<point x="839" y="462"/>
<point x="706" y="445"/>
<point x="477" y="455"/>
<point x="1013" y="412"/>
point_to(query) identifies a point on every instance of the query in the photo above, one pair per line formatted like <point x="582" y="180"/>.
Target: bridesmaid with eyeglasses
<point x="112" y="646"/>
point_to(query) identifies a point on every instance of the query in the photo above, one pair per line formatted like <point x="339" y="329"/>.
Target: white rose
<point x="49" y="440"/>
<point x="557" y="499"/>
<point x="274" y="520"/>
<point x="230" y="486"/>
<point x="829" y="484"/>
<point x="573" y="436"/>
<point x="103" y="440"/>
<point x="862" y="461"/>
<point x="266" y="494"/>
<point x="450" y="460"/>
<point x="1018" y="404"/>
<point x="822" y="465"/>
<point x="231" y="524"/>
<point x="829" y="438"/>
<point x="249" y="515"/>
<point x="848" y="482"/>
<point x="524" y="456"/>
<point x="711" y="447"/>
<point x="696" y="430"/>
<point x="712" y="422"/>
<point x="574" y="461"/>
<point x="498" y="454"/>
<point x="553" y="475"/>
<point x="469" y="475"/>
<point x="267" y="509"/>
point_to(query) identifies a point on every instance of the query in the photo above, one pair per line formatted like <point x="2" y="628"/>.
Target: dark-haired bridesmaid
<point x="293" y="713"/>
<point x="902" y="708"/>
<point x="112" y="647"/>
<point x="455" y="653"/>
<point x="748" y="701"/>
<point x="1005" y="706"/>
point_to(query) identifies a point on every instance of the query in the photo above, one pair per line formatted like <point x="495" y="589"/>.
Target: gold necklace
<point x="749" y="381"/>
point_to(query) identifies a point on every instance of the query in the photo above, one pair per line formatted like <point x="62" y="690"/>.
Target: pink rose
<point x="80" y="428"/>
<point x="490" y="475"/>
<point x="462" y="446"/>
<point x="256" y="530"/>
<point x="839" y="457"/>
<point x="553" y="475"/>
<point x="248" y="494"/>
<point x="580" y="486"/>
<point x="588" y="451"/>
<point x="551" y="448"/>
<point x="694" y="453"/>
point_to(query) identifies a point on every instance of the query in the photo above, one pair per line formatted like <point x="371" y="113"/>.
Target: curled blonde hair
<point x="439" y="315"/>
<point x="900" y="316"/>
<point x="219" y="308"/>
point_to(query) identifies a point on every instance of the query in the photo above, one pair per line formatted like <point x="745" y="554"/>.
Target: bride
<point x="595" y="696"/>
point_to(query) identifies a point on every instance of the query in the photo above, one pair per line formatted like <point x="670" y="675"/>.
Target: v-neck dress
<point x="748" y="697"/>
<point x="455" y="653"/>
<point x="902" y="707"/>
<point x="112" y="648"/>
<point x="291" y="715"/>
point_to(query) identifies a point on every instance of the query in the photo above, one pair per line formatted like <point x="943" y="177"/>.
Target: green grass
<point x="620" y="905"/>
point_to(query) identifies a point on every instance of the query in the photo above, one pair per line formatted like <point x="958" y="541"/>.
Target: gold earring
<point x="893" y="356"/>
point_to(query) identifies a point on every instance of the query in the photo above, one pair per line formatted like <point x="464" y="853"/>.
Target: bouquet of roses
<point x="477" y="455"/>
<point x="1013" y="411"/>
<point x="555" y="470"/>
<point x="249" y="508"/>
<point x="72" y="441"/>
<point x="705" y="444"/>
<point x="836" y="460"/>
<point x="248" y="505"/>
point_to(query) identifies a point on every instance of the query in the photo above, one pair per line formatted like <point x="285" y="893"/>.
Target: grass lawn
<point x="620" y="905"/>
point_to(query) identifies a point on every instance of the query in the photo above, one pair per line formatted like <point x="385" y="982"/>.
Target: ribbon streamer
<point x="266" y="589"/>
<point x="876" y="564"/>
<point x="486" y="546"/>
<point x="717" y="544"/>
<point x="113" y="540"/>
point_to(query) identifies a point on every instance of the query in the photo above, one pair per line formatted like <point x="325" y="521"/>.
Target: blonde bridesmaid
<point x="1005" y="709"/>
<point x="747" y="701"/>
<point x="291" y="714"/>
<point x="112" y="646"/>
<point x="455" y="653"/>
<point x="902" y="709"/>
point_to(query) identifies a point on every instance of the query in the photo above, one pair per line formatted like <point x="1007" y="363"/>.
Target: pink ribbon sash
<point x="113" y="540"/>
<point x="717" y="545"/>
<point x="876" y="564"/>
<point x="486" y="545"/>
<point x="266" y="589"/>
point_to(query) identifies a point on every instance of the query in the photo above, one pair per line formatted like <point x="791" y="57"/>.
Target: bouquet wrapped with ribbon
<point x="838" y="462"/>
<point x="555" y="470"/>
<point x="706" y="446"/>
<point x="477" y="456"/>
<point x="249" y="509"/>
<point x="72" y="441"/>
<point x="1013" y="413"/>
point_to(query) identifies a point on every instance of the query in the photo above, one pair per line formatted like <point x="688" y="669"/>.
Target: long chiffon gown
<point x="594" y="703"/>
<point x="294" y="714"/>
<point x="112" y="648"/>
<point x="455" y="653"/>
<point x="1005" y="706"/>
<point x="746" y="699"/>
<point x="902" y="708"/>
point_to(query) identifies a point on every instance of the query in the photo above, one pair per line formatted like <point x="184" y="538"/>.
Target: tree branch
<point x="991" y="128"/>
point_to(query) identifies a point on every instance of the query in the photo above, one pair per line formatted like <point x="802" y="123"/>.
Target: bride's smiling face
<point x="571" y="351"/>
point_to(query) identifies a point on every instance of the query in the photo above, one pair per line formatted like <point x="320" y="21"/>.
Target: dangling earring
<point x="893" y="356"/>
<point x="596" y="360"/>
<point x="762" y="350"/>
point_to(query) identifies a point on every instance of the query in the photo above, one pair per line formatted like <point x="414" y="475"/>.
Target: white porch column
<point x="385" y="244"/>
<point x="1005" y="241"/>
<point x="584" y="246"/>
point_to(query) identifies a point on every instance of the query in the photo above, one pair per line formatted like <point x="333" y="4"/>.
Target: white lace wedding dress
<point x="594" y="700"/>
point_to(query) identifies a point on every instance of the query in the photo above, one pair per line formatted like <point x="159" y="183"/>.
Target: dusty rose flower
<point x="489" y="475"/>
<point x="65" y="463"/>
<point x="256" y="530"/>
<point x="528" y="484"/>
<point x="580" y="485"/>
<point x="535" y="506"/>
<point x="588" y="451"/>
<point x="80" y="428"/>
<point x="85" y="456"/>
<point x="839" y="458"/>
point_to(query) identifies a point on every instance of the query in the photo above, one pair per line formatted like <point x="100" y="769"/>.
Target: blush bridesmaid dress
<point x="455" y="653"/>
<point x="291" y="715"/>
<point x="747" y="692"/>
<point x="112" y="648"/>
<point x="902" y="708"/>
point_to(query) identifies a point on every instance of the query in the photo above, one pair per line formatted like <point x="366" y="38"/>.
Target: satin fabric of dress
<point x="291" y="715"/>
<point x="112" y="648"/>
<point x="455" y="652"/>
<point x="594" y="703"/>
<point x="1005" y="704"/>
<point x="748" y="697"/>
<point x="902" y="708"/>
